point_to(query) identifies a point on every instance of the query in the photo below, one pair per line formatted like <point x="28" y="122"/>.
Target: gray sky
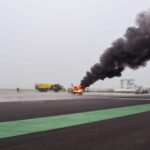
<point x="58" y="41"/>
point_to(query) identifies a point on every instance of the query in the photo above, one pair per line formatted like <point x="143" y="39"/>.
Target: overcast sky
<point x="57" y="41"/>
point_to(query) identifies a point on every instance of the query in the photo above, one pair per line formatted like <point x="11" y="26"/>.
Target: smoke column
<point x="132" y="50"/>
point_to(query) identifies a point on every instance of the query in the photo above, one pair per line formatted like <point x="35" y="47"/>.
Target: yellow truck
<point x="42" y="87"/>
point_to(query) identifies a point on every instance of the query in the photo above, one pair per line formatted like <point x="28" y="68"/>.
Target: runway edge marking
<point x="28" y="126"/>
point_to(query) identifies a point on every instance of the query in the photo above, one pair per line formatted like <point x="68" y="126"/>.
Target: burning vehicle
<point x="78" y="89"/>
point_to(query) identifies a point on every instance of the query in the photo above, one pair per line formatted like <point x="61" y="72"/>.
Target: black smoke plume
<point x="132" y="50"/>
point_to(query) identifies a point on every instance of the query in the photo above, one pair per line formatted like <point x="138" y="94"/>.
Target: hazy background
<point x="58" y="41"/>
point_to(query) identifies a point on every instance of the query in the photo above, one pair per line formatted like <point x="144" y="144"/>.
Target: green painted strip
<point x="21" y="127"/>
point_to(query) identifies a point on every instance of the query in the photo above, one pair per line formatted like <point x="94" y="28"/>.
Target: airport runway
<point x="130" y="132"/>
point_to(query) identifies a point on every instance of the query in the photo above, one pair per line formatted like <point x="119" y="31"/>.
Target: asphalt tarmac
<point x="124" y="133"/>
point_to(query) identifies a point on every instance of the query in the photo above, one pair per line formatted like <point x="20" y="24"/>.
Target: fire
<point x="78" y="89"/>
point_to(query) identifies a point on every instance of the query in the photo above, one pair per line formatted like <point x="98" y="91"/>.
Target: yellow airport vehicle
<point x="42" y="87"/>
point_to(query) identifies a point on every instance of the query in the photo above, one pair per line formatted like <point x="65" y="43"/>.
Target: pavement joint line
<point x="28" y="126"/>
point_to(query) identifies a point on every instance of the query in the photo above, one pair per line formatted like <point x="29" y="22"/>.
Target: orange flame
<point x="78" y="89"/>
